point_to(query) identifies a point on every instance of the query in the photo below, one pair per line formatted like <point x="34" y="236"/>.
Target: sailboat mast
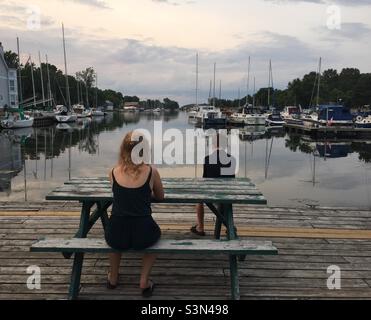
<point x="19" y="74"/>
<point x="220" y="90"/>
<point x="197" y="80"/>
<point x="33" y="84"/>
<point x="66" y="72"/>
<point x="214" y="83"/>
<point x="248" y="84"/>
<point x="239" y="98"/>
<point x="269" y="83"/>
<point x="319" y="79"/>
<point x="48" y="74"/>
<point x="78" y="92"/>
<point x="42" y="80"/>
<point x="96" y="90"/>
<point x="253" y="100"/>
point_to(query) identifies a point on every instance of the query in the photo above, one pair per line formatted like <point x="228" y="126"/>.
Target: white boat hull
<point x="66" y="119"/>
<point x="17" y="124"/>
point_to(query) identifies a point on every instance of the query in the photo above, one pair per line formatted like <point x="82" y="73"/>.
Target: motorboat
<point x="247" y="119"/>
<point x="210" y="116"/>
<point x="362" y="122"/>
<point x="96" y="112"/>
<point x="275" y="120"/>
<point x="252" y="133"/>
<point x="329" y="116"/>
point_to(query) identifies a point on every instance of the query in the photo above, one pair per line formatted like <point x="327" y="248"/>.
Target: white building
<point x="8" y="83"/>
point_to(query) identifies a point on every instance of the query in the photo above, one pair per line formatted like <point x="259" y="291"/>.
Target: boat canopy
<point x="334" y="112"/>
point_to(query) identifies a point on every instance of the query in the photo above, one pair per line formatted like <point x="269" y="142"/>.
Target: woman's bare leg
<point x="200" y="217"/>
<point x="114" y="259"/>
<point x="147" y="264"/>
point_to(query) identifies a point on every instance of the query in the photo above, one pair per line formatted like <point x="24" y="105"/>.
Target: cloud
<point x="93" y="3"/>
<point x="173" y="3"/>
<point x="18" y="16"/>
<point x="349" y="31"/>
<point x="336" y="2"/>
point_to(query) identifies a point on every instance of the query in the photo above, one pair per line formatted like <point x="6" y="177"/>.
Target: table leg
<point x="84" y="225"/>
<point x="233" y="267"/>
<point x="220" y="219"/>
<point x="79" y="257"/>
<point x="76" y="276"/>
<point x="100" y="212"/>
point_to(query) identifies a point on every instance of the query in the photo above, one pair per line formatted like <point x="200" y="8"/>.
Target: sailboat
<point x="244" y="118"/>
<point x="192" y="114"/>
<point x="65" y="117"/>
<point x="17" y="119"/>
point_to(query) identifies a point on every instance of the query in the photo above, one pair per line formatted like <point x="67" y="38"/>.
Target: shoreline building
<point x="8" y="84"/>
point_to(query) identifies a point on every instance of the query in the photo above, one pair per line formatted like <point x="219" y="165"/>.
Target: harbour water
<point x="290" y="170"/>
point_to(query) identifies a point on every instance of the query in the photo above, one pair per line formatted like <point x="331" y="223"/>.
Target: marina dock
<point x="339" y="132"/>
<point x="309" y="240"/>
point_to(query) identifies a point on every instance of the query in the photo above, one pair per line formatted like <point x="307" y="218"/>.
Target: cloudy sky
<point x="148" y="47"/>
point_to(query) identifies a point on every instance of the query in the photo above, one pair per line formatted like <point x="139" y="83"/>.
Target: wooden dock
<point x="309" y="240"/>
<point x="339" y="132"/>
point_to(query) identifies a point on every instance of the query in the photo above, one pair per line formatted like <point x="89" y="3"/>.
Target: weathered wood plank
<point x="163" y="246"/>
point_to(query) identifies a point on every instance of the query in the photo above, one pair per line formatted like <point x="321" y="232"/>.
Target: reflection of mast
<point x="314" y="170"/>
<point x="36" y="147"/>
<point x="45" y="155"/>
<point x="52" y="153"/>
<point x="24" y="173"/>
<point x="268" y="157"/>
<point x="69" y="157"/>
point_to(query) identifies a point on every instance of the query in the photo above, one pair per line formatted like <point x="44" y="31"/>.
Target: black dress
<point x="131" y="225"/>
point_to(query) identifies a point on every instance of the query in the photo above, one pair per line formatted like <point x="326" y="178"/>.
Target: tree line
<point x="350" y="88"/>
<point x="83" y="86"/>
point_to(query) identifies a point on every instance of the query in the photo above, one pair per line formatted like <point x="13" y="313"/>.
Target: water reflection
<point x="286" y="167"/>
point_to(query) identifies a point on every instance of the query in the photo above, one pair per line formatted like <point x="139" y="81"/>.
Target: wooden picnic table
<point x="218" y="194"/>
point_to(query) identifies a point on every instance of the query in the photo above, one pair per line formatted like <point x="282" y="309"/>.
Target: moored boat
<point x="275" y="120"/>
<point x="16" y="122"/>
<point x="363" y="123"/>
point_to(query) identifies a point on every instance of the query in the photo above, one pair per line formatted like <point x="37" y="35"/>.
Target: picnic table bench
<point x="219" y="195"/>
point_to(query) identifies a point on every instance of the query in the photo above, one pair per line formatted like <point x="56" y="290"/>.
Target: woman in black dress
<point x="131" y="225"/>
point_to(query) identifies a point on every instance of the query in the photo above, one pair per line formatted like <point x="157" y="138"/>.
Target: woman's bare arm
<point x="157" y="189"/>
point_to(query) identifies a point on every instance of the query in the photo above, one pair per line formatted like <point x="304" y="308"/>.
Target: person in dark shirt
<point x="219" y="164"/>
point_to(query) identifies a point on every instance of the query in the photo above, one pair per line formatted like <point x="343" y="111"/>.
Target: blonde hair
<point x="128" y="161"/>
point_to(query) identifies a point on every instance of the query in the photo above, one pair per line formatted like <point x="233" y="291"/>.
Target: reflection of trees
<point x="364" y="151"/>
<point x="89" y="144"/>
<point x="294" y="143"/>
<point x="171" y="115"/>
<point x="53" y="142"/>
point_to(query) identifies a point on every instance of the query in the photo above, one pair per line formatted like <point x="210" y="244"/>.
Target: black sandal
<point x="148" y="292"/>
<point x="110" y="286"/>
<point x="199" y="233"/>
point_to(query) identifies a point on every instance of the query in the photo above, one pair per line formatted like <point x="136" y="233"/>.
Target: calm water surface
<point x="290" y="170"/>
